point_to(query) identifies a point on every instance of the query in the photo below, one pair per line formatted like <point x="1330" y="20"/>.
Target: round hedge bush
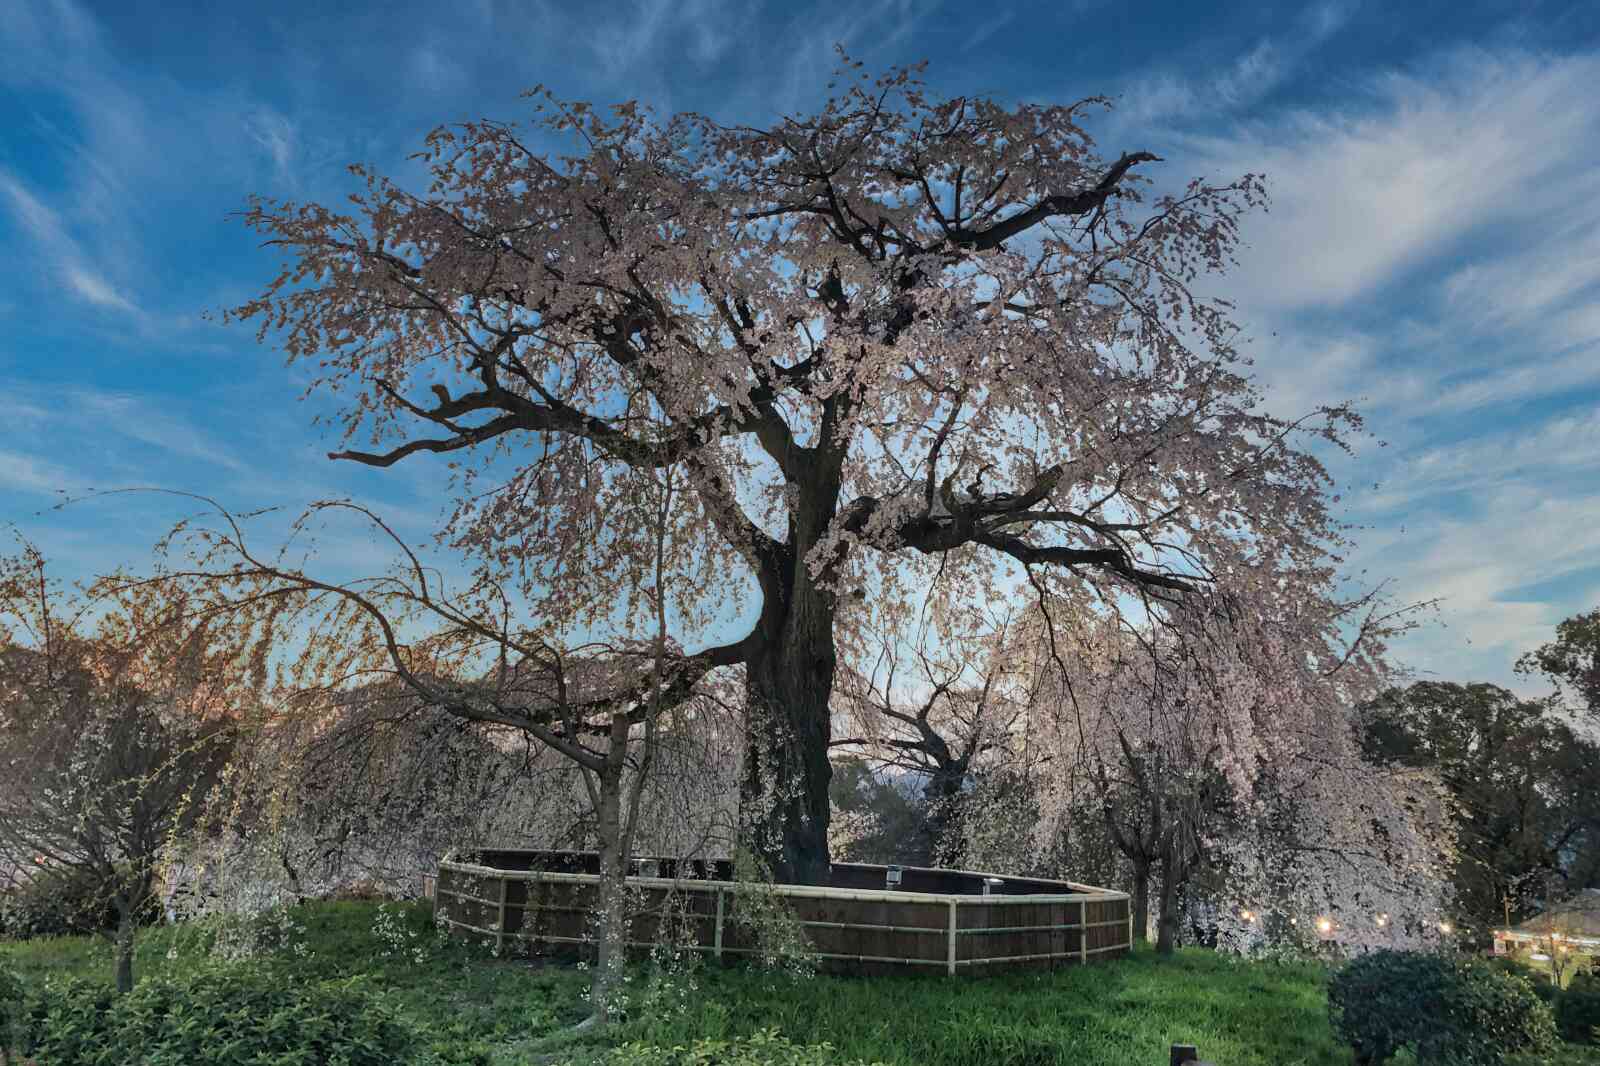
<point x="1444" y="1008"/>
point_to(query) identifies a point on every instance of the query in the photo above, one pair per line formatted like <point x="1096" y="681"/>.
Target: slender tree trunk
<point x="1141" y="901"/>
<point x="1167" y="920"/>
<point x="124" y="948"/>
<point x="789" y="681"/>
<point x="611" y="937"/>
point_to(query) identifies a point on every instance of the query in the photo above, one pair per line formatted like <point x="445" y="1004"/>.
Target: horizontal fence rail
<point x="1030" y="922"/>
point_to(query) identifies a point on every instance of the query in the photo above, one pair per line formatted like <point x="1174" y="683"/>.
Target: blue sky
<point x="1432" y="249"/>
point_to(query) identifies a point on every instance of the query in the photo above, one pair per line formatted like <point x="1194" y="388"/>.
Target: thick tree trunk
<point x="946" y="841"/>
<point x="1141" y="902"/>
<point x="784" y="809"/>
<point x="784" y="791"/>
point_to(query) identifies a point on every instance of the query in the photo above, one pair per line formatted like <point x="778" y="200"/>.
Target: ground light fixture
<point x="1444" y="927"/>
<point x="1324" y="926"/>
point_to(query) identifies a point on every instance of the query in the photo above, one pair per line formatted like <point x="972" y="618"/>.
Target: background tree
<point x="876" y="816"/>
<point x="895" y="334"/>
<point x="1524" y="788"/>
<point x="1175" y="727"/>
<point x="935" y="707"/>
<point x="1572" y="660"/>
<point x="113" y="739"/>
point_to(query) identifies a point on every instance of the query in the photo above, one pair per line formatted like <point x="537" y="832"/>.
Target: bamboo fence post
<point x="950" y="958"/>
<point x="500" y="927"/>
<point x="718" y="937"/>
<point x="1083" y="932"/>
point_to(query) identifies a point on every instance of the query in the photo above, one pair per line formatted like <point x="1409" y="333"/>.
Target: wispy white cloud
<point x="1561" y="451"/>
<point x="1428" y="162"/>
<point x="1475" y="562"/>
<point x="21" y="472"/>
<point x="65" y="253"/>
<point x="140" y="419"/>
<point x="1166" y="94"/>
<point x="99" y="415"/>
<point x="434" y="69"/>
<point x="277" y="136"/>
<point x="96" y="289"/>
<point x="1433" y="249"/>
<point x="988" y="29"/>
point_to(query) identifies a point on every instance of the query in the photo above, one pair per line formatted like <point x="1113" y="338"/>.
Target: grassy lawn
<point x="1123" y="1013"/>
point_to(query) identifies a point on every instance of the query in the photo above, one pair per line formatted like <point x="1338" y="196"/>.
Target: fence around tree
<point x="958" y="921"/>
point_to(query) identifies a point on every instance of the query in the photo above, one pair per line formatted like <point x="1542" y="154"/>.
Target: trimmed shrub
<point x="1444" y="1009"/>
<point x="1578" y="1009"/>
<point x="236" y="1015"/>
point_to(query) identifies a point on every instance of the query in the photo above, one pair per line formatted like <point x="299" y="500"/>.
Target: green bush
<point x="1539" y="978"/>
<point x="765" y="1048"/>
<point x="13" y="1004"/>
<point x="1578" y="1009"/>
<point x="62" y="903"/>
<point x="238" y="1015"/>
<point x="1445" y="1009"/>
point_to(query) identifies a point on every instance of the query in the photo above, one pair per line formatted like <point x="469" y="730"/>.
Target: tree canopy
<point x="899" y="336"/>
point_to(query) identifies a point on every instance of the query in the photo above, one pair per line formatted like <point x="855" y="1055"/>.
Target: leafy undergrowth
<point x="472" y="1008"/>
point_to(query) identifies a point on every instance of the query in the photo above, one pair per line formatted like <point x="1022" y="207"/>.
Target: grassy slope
<point x="1121" y="1013"/>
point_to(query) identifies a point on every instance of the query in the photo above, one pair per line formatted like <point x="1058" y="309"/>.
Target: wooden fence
<point x="1020" y="922"/>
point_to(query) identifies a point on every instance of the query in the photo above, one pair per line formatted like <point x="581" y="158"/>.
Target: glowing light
<point x="1247" y="916"/>
<point x="1383" y="919"/>
<point x="1444" y="927"/>
<point x="1324" y="925"/>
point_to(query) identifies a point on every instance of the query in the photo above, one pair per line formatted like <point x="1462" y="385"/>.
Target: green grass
<point x="1117" y="1013"/>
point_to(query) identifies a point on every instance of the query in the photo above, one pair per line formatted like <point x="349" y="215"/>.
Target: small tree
<point x="112" y="741"/>
<point x="598" y="704"/>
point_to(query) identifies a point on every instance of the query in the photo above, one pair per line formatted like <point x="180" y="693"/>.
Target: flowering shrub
<point x="403" y="941"/>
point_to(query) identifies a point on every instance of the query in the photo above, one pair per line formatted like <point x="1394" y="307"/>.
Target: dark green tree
<point x="1525" y="790"/>
<point x="1572" y="660"/>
